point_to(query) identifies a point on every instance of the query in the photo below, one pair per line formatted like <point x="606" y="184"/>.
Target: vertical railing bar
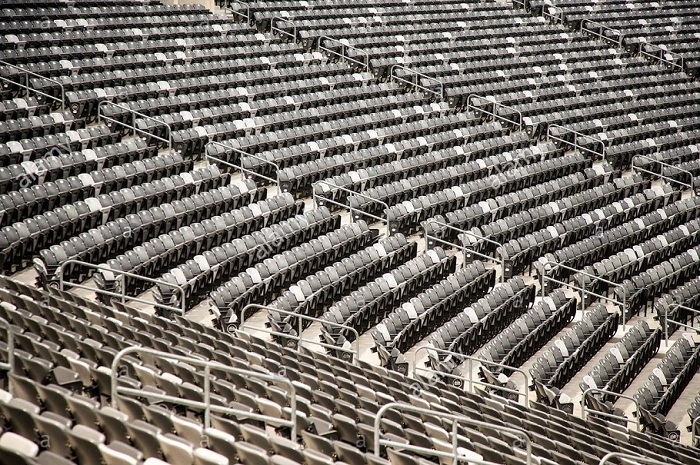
<point x="525" y="394"/>
<point x="115" y="389"/>
<point x="517" y="433"/>
<point x="301" y="317"/>
<point x="134" y="114"/>
<point x="499" y="247"/>
<point x="350" y="208"/>
<point x="588" y="392"/>
<point x="62" y="283"/>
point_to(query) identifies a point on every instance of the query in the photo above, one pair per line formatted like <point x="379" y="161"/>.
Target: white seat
<point x="204" y="456"/>
<point x="176" y="450"/>
<point x="19" y="444"/>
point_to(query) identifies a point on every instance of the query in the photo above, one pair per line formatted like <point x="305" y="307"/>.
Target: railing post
<point x="206" y="404"/>
<point x="332" y="186"/>
<point x="26" y="86"/>
<point x="516" y="433"/>
<point x="590" y="391"/>
<point x="240" y="167"/>
<point x="636" y="168"/>
<point x="9" y="366"/>
<point x="299" y="339"/>
<point x="122" y="295"/>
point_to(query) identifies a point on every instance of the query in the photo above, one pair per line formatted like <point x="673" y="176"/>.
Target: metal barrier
<point x="636" y="458"/>
<point x="636" y="168"/>
<point x="663" y="55"/>
<point x="676" y="306"/>
<point x="591" y="391"/>
<point x="26" y="86"/>
<point x="494" y="111"/>
<point x="575" y="144"/>
<point x="351" y="209"/>
<point x="520" y="435"/>
<point x="298" y="338"/>
<point x="62" y="283"/>
<point x="693" y="429"/>
<point x="240" y="167"/>
<point x="343" y="51"/>
<point x="235" y="12"/>
<point x="274" y="29"/>
<point x="206" y="405"/>
<point x="415" y="83"/>
<point x="431" y="241"/>
<point x="582" y="290"/>
<point x="134" y="115"/>
<point x="522" y="3"/>
<point x="8" y="366"/>
<point x="470" y="377"/>
<point x="553" y="13"/>
<point x="599" y="31"/>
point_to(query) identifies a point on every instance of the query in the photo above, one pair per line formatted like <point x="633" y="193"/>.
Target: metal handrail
<point x="352" y="210"/>
<point x="28" y="88"/>
<point x="663" y="52"/>
<point x="553" y="12"/>
<point x="544" y="277"/>
<point x="591" y="391"/>
<point x="300" y="318"/>
<point x="636" y="168"/>
<point x="9" y="366"/>
<point x="637" y="458"/>
<point x="575" y="144"/>
<point x="693" y="427"/>
<point x="414" y="83"/>
<point x="523" y="3"/>
<point x="343" y="51"/>
<point x="62" y="283"/>
<point x="234" y="12"/>
<point x="675" y="306"/>
<point x="430" y="242"/>
<point x="206" y="405"/>
<point x="470" y="378"/>
<point x="519" y="434"/>
<point x="273" y="29"/>
<point x="494" y="112"/>
<point x="240" y="167"/>
<point x="600" y="31"/>
<point x="134" y="115"/>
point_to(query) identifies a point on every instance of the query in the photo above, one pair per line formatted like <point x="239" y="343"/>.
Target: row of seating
<point x="663" y="277"/>
<point x="546" y="216"/>
<point x="315" y="294"/>
<point x="200" y="274"/>
<point x="537" y="250"/>
<point x="348" y="172"/>
<point x="628" y="263"/>
<point x="264" y="282"/>
<point x="18" y="151"/>
<point x="103" y="242"/>
<point x="406" y="217"/>
<point x="34" y="197"/>
<point x="169" y="250"/>
<point x="63" y="165"/>
<point x="627" y="235"/>
<point x="568" y="354"/>
<point x="526" y="335"/>
<point x="665" y="385"/>
<point x="418" y="317"/>
<point x="482" y="321"/>
<point x="422" y="184"/>
<point x="369" y="304"/>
